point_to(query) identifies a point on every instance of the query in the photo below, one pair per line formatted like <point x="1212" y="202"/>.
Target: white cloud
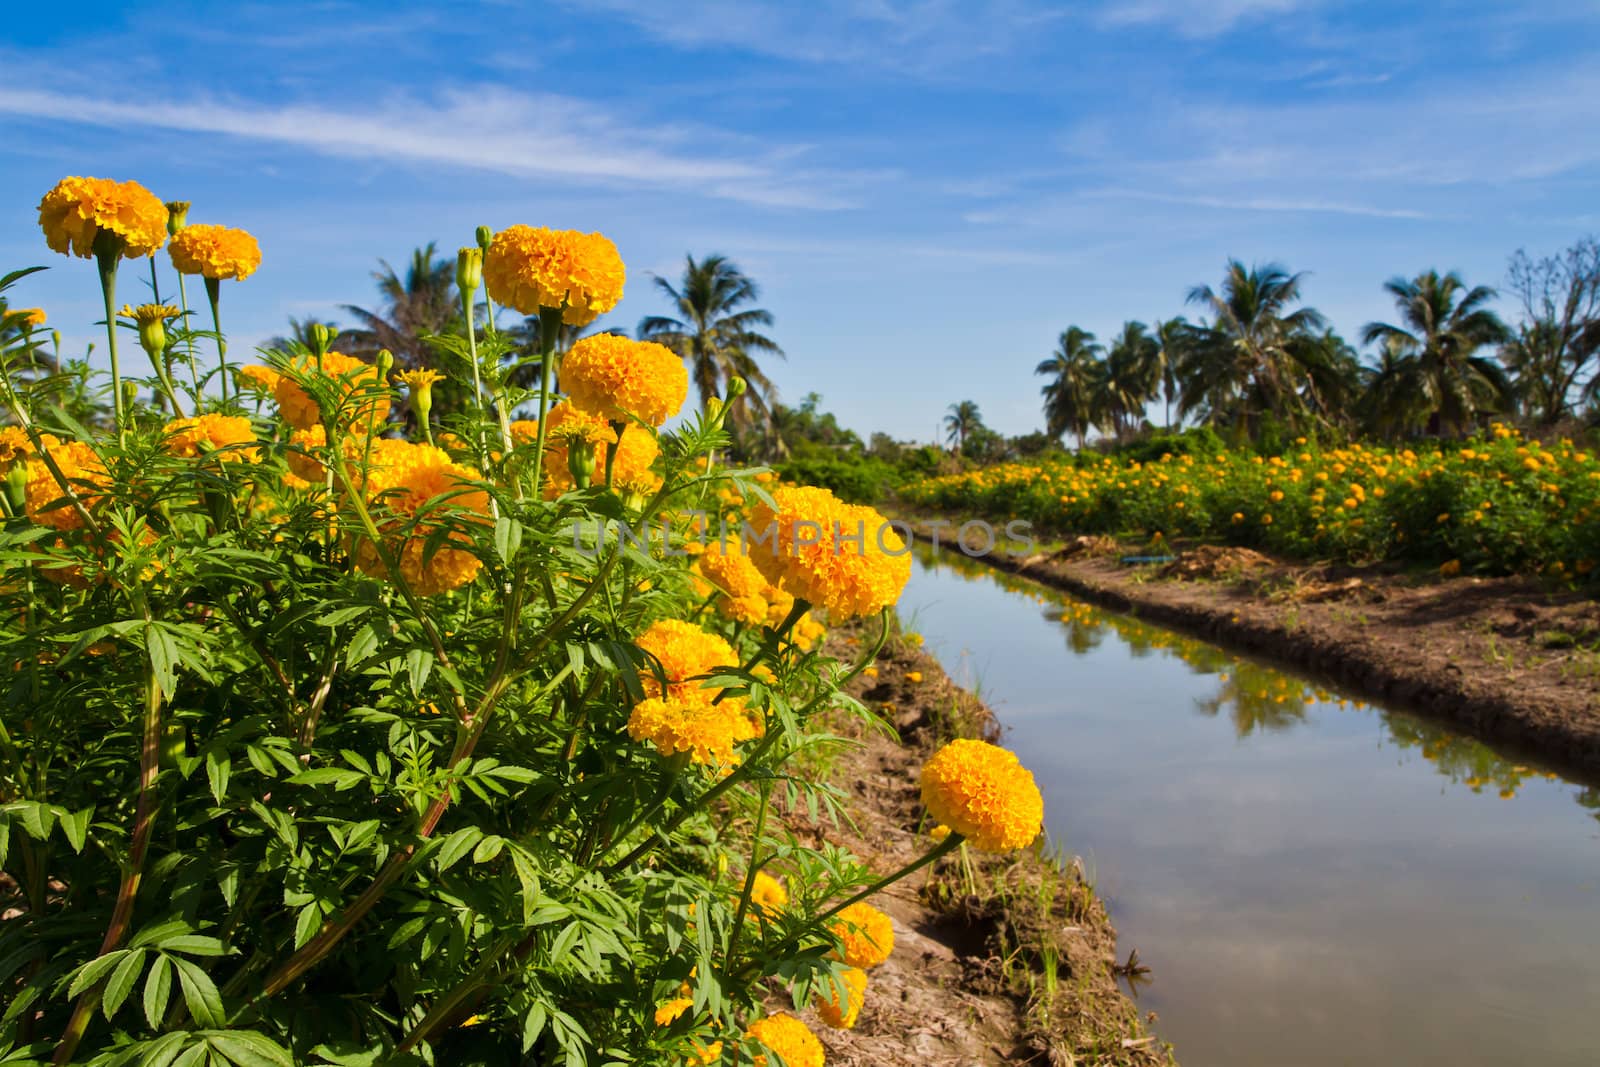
<point x="1207" y="18"/>
<point x="522" y="135"/>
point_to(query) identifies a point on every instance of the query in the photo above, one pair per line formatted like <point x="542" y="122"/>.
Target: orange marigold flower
<point x="78" y="210"/>
<point x="31" y="316"/>
<point x="843" y="1016"/>
<point x="354" y="379"/>
<point x="866" y="936"/>
<point x="694" y="724"/>
<point x="841" y="557"/>
<point x="403" y="479"/>
<point x="81" y="466"/>
<point x="257" y="378"/>
<point x="617" y="377"/>
<point x="984" y="793"/>
<point x="789" y="1038"/>
<point x="203" y="434"/>
<point x="215" y="252"/>
<point x="685" y="653"/>
<point x="672" y="1009"/>
<point x="15" y="446"/>
<point x="580" y="273"/>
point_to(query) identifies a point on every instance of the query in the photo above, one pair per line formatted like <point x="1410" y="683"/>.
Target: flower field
<point x="1497" y="504"/>
<point x="338" y="734"/>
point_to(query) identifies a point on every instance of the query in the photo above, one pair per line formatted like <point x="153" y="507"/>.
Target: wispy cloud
<point x="923" y="36"/>
<point x="1256" y="203"/>
<point x="1192" y="19"/>
<point x="522" y="135"/>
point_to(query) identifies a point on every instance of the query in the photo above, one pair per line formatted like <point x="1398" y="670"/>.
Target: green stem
<point x="549" y="331"/>
<point x="194" y="368"/>
<point x="108" y="253"/>
<point x="751" y="870"/>
<point x="619" y="428"/>
<point x="214" y="294"/>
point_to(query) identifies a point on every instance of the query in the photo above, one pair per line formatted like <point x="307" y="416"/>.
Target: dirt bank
<point x="967" y="982"/>
<point x="1506" y="660"/>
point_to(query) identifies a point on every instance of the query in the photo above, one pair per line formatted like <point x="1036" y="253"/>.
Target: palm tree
<point x="1126" y="380"/>
<point x="1071" y="368"/>
<point x="299" y="336"/>
<point x="421" y="303"/>
<point x="1252" y="359"/>
<point x="1391" y="406"/>
<point x="1448" y="323"/>
<point x="1171" y="335"/>
<point x="717" y="339"/>
<point x="962" y="420"/>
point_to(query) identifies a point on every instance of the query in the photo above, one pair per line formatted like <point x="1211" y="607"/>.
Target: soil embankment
<point x="1507" y="660"/>
<point x="998" y="960"/>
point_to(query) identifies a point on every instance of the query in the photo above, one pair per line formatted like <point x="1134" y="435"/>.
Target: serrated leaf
<point x="249" y="1049"/>
<point x="457" y="845"/>
<point x="362" y="645"/>
<point x="94" y="970"/>
<point x="419" y="663"/>
<point x="307" y="923"/>
<point x="488" y="848"/>
<point x="337" y="777"/>
<point x="164" y="657"/>
<point x="194" y="945"/>
<point x="199" y="993"/>
<point x="120" y="984"/>
<point x="340" y="616"/>
<point x="564" y="941"/>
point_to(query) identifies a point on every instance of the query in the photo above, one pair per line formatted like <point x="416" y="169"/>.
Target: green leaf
<point x="37" y="819"/>
<point x="337" y="777"/>
<point x="341" y="616"/>
<point x="194" y="945"/>
<point x="218" y="769"/>
<point x="507" y="538"/>
<point x="564" y="942"/>
<point x="488" y="848"/>
<point x="93" y="971"/>
<point x="121" y="982"/>
<point x="164" y="656"/>
<point x="458" y="845"/>
<point x="194" y="1057"/>
<point x="419" y="662"/>
<point x="249" y="1049"/>
<point x="362" y="645"/>
<point x="76" y="826"/>
<point x="307" y="924"/>
<point x="157" y="991"/>
<point x="199" y="993"/>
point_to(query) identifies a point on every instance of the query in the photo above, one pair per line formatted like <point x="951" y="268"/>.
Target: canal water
<point x="1312" y="880"/>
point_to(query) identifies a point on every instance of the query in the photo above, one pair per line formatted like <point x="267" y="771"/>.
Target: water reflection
<point x="1252" y="696"/>
<point x="1312" y="880"/>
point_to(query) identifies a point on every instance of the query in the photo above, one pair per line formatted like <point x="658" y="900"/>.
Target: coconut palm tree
<point x="1171" y="335"/>
<point x="1390" y="405"/>
<point x="1126" y="380"/>
<point x="422" y="302"/>
<point x="1071" y="368"/>
<point x="963" y="420"/>
<point x="719" y="336"/>
<point x="1251" y="360"/>
<point x="1446" y="324"/>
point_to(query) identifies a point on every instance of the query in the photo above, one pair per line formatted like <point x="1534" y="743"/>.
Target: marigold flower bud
<point x="580" y="461"/>
<point x="321" y="336"/>
<point x="469" y="270"/>
<point x="484" y="235"/>
<point x="385" y="363"/>
<point x="736" y="387"/>
<point x="177" y="216"/>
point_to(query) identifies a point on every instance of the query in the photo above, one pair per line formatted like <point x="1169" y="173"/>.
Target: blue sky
<point x="928" y="191"/>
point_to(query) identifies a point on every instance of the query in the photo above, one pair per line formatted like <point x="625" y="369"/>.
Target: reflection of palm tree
<point x="423" y="302"/>
<point x="1257" y="699"/>
<point x="716" y="338"/>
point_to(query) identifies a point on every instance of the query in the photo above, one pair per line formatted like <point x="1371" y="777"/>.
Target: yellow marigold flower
<point x="940" y="832"/>
<point x="695" y="724"/>
<point x="422" y="378"/>
<point x="79" y="464"/>
<point x="704" y="1055"/>
<point x="31" y="316"/>
<point x="789" y="1038"/>
<point x="78" y="210"/>
<point x="843" y="1016"/>
<point x="215" y="252"/>
<point x="1450" y="569"/>
<point x="767" y="895"/>
<point x="983" y="792"/>
<point x="402" y="479"/>
<point x="913" y="676"/>
<point x="866" y="936"/>
<point x="685" y="653"/>
<point x="257" y="378"/>
<point x="727" y="565"/>
<point x="580" y="273"/>
<point x="616" y="377"/>
<point x="354" y="378"/>
<point x="223" y="434"/>
<point x="672" y="1009"/>
<point x="842" y="557"/>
